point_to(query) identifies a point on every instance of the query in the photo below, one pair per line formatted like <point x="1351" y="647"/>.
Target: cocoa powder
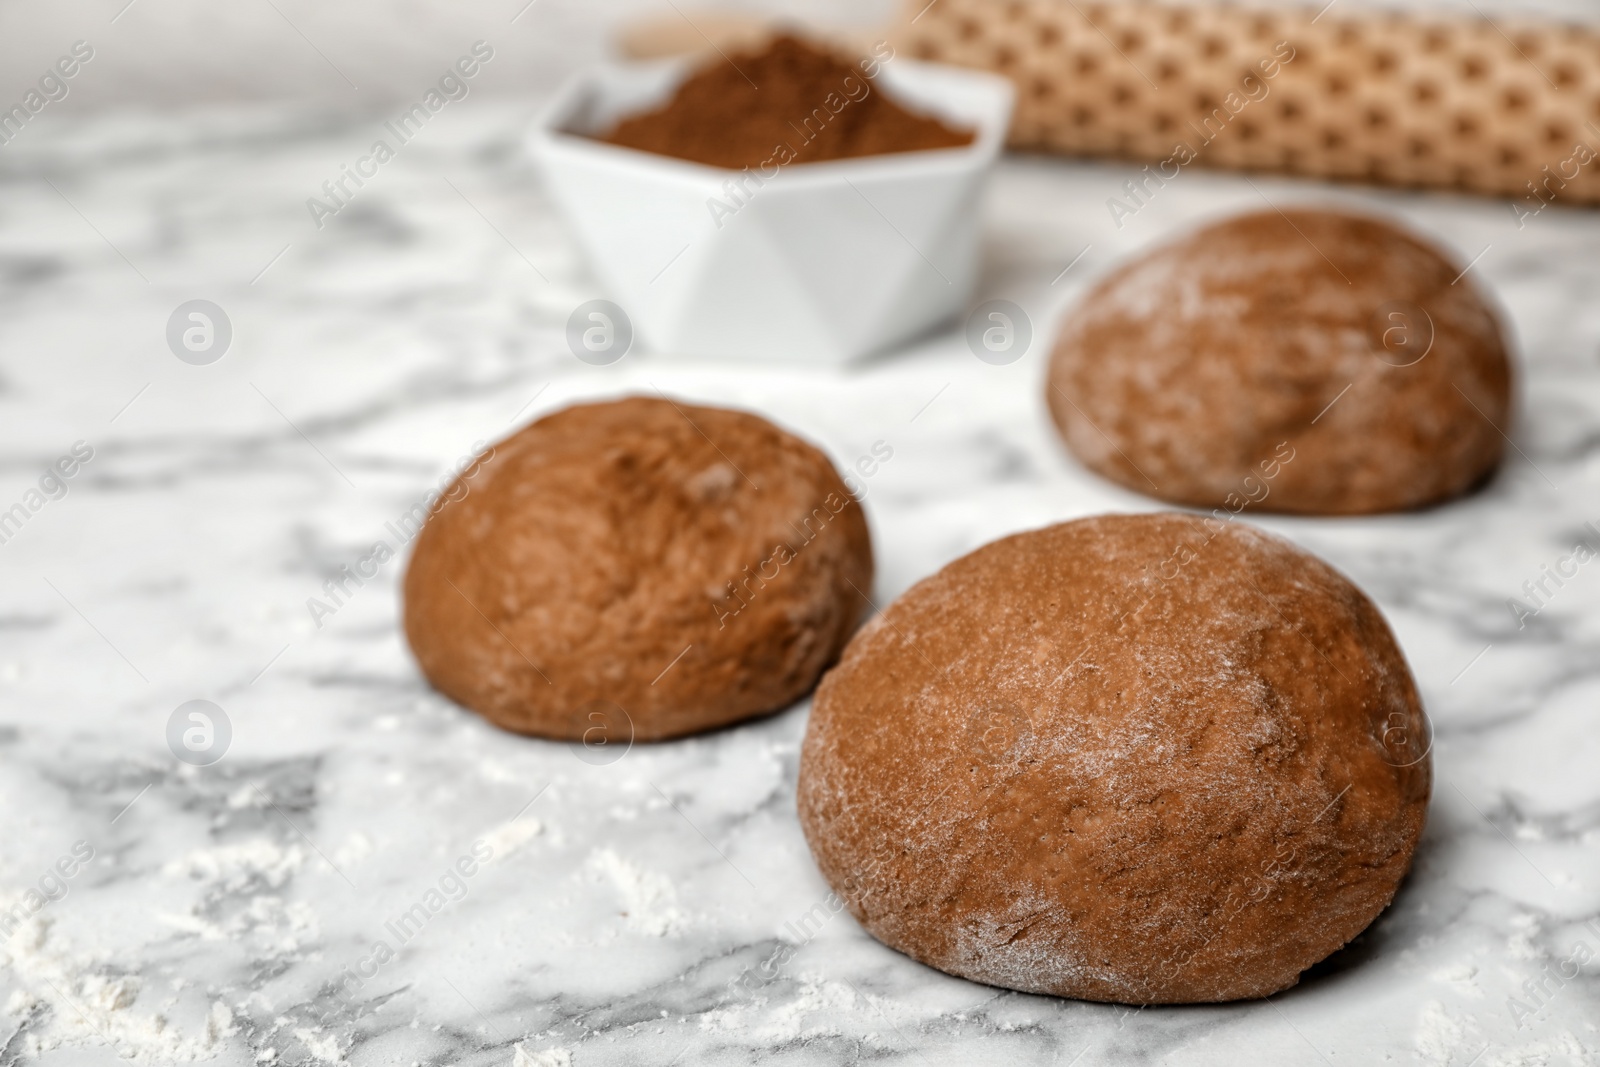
<point x="789" y="102"/>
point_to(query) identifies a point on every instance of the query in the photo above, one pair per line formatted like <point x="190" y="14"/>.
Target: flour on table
<point x="1523" y="944"/>
<point x="494" y="771"/>
<point x="1462" y="977"/>
<point x="649" y="900"/>
<point x="550" y="1057"/>
<point x="236" y="867"/>
<point x="509" y="837"/>
<point x="815" y="996"/>
<point x="325" y="1047"/>
<point x="236" y="902"/>
<point x="784" y="1022"/>
<point x="1443" y="1038"/>
<point x="88" y="1006"/>
<point x="356" y="847"/>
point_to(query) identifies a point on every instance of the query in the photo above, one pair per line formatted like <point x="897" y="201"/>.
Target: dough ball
<point x="1143" y="759"/>
<point x="1336" y="338"/>
<point x="690" y="565"/>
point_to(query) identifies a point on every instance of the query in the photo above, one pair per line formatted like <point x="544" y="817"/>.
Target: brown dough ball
<point x="1142" y="759"/>
<point x="596" y="545"/>
<point x="1186" y="370"/>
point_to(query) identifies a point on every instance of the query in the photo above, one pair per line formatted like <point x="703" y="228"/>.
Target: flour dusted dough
<point x="693" y="566"/>
<point x="1339" y="339"/>
<point x="1141" y="759"/>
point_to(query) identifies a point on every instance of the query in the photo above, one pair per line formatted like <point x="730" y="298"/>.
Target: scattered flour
<point x="356" y="847"/>
<point x="235" y="867"/>
<point x="88" y="1006"/>
<point x="273" y="926"/>
<point x="69" y="998"/>
<point x="244" y="797"/>
<point x="725" y="1018"/>
<point x="219" y="1023"/>
<point x="509" y="837"/>
<point x="1462" y="977"/>
<point x="231" y="874"/>
<point x="1523" y="944"/>
<point x="1564" y="1048"/>
<point x="649" y="900"/>
<point x="324" y="1047"/>
<point x="784" y="1022"/>
<point x="496" y="772"/>
<point x="814" y="996"/>
<point x="1443" y="1038"/>
<point x="550" y="1057"/>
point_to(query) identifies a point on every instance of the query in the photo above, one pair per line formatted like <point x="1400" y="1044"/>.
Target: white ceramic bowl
<point x="823" y="262"/>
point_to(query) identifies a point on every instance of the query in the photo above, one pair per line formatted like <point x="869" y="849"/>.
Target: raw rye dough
<point x="600" y="543"/>
<point x="1139" y="759"/>
<point x="1184" y="371"/>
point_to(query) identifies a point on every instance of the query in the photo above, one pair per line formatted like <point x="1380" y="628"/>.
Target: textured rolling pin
<point x="1499" y="108"/>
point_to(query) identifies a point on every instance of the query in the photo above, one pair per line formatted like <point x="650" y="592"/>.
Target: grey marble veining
<point x="623" y="912"/>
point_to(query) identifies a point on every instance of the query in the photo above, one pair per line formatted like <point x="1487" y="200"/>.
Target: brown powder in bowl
<point x="790" y="102"/>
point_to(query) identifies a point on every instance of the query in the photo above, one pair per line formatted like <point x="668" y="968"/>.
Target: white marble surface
<point x="623" y="901"/>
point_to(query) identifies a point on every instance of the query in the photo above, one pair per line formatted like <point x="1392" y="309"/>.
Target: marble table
<point x="161" y="911"/>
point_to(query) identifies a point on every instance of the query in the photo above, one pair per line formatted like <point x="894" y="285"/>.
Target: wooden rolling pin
<point x="1502" y="109"/>
<point x="1397" y="99"/>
